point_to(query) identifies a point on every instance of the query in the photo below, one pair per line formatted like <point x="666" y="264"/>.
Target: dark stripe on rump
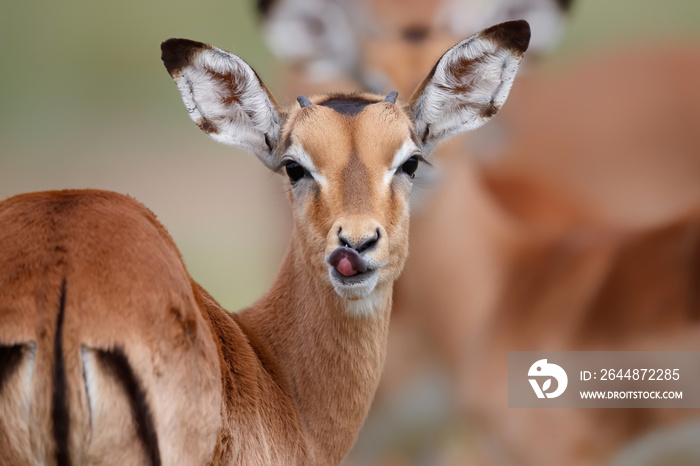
<point x="59" y="409"/>
<point x="10" y="357"/>
<point x="115" y="362"/>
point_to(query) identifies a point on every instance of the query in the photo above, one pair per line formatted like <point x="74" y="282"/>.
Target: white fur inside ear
<point x="225" y="99"/>
<point x="470" y="84"/>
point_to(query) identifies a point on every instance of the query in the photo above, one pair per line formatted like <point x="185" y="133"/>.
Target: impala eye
<point x="410" y="166"/>
<point x="295" y="172"/>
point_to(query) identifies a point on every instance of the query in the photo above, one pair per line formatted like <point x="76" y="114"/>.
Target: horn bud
<point x="303" y="101"/>
<point x="391" y="97"/>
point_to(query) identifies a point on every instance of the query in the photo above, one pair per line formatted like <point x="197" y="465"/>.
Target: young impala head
<point x="350" y="159"/>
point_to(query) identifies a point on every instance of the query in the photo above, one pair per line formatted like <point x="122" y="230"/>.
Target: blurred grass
<point x="86" y="102"/>
<point x="67" y="66"/>
<point x="599" y="24"/>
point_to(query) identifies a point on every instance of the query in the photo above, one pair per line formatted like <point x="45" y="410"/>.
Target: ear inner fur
<point x="469" y="84"/>
<point x="224" y="96"/>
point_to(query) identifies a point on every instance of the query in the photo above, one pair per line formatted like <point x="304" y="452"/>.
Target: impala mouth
<point x="358" y="278"/>
<point x="347" y="262"/>
<point x="351" y="276"/>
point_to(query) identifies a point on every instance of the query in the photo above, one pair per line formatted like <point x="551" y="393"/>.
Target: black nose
<point x="362" y="245"/>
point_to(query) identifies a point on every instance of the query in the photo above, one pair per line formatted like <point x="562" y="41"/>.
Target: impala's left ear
<point x="469" y="84"/>
<point x="224" y="97"/>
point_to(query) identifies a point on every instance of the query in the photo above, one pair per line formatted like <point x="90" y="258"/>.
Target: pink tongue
<point x="345" y="268"/>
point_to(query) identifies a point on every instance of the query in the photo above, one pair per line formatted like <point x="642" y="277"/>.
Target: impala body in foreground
<point x="111" y="354"/>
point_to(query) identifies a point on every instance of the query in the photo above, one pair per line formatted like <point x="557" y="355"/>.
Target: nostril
<point x="343" y="241"/>
<point x="364" y="245"/>
<point x="369" y="243"/>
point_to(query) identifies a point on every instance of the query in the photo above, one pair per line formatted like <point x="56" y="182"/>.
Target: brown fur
<point x="97" y="243"/>
<point x="361" y="156"/>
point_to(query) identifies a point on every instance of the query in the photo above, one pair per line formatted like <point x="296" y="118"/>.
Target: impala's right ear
<point x="469" y="84"/>
<point x="224" y="97"/>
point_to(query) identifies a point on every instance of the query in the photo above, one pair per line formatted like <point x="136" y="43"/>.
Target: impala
<point x="111" y="354"/>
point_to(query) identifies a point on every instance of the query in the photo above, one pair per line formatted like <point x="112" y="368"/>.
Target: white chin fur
<point x="364" y="307"/>
<point x="358" y="297"/>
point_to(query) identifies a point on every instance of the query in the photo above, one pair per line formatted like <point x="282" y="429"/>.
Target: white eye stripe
<point x="302" y="158"/>
<point x="298" y="154"/>
<point x="407" y="149"/>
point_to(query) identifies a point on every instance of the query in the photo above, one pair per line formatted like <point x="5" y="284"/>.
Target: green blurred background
<point x="86" y="102"/>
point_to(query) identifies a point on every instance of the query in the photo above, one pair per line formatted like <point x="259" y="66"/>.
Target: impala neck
<point x="333" y="360"/>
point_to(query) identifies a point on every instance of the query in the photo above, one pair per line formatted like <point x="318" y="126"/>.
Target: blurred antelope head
<point x="392" y="44"/>
<point x="350" y="159"/>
